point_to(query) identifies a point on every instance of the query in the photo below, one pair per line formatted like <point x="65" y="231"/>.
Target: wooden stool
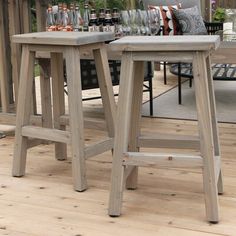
<point x="136" y="50"/>
<point x="70" y="46"/>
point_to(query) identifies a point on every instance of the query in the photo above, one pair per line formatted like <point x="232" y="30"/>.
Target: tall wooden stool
<point x="70" y="46"/>
<point x="136" y="50"/>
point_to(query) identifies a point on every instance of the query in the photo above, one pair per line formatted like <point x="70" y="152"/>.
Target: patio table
<point x="128" y="138"/>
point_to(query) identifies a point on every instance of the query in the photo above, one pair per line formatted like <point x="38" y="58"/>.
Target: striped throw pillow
<point x="167" y="19"/>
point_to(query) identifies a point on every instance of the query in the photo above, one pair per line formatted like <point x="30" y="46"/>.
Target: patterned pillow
<point x="190" y="21"/>
<point x="167" y="19"/>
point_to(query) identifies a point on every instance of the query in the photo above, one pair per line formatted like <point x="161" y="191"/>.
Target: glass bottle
<point x="59" y="24"/>
<point x="70" y="17"/>
<point x="86" y="17"/>
<point x="78" y="20"/>
<point x="64" y="17"/>
<point x="108" y="25"/>
<point x="115" y="16"/>
<point x="93" y="23"/>
<point x="116" y="22"/>
<point x="101" y="19"/>
<point x="50" y="22"/>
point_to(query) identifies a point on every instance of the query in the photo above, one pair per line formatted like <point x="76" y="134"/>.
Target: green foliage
<point x="115" y="3"/>
<point x="219" y="15"/>
<point x="120" y="4"/>
<point x="36" y="70"/>
<point x="108" y="4"/>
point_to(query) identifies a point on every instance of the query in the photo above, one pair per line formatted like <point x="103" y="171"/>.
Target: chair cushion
<point x="167" y="20"/>
<point x="190" y="21"/>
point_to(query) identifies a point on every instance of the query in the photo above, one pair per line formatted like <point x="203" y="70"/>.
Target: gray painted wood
<point x="138" y="49"/>
<point x="71" y="50"/>
<point x="59" y="38"/>
<point x="164" y="43"/>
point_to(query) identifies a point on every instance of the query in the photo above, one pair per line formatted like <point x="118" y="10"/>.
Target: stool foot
<point x="117" y="186"/>
<point x="211" y="192"/>
<point x="114" y="212"/>
<point x="18" y="169"/>
<point x="80" y="191"/>
<point x="131" y="188"/>
<point x="80" y="182"/>
<point x="132" y="180"/>
<point x="220" y="185"/>
<point x="17" y="176"/>
<point x="60" y="151"/>
<point x="214" y="222"/>
<point x="114" y="216"/>
<point x="19" y="158"/>
<point x="61" y="158"/>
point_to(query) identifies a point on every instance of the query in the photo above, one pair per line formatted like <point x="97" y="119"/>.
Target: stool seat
<point x="128" y="137"/>
<point x="68" y="46"/>
<point x="63" y="38"/>
<point x="166" y="43"/>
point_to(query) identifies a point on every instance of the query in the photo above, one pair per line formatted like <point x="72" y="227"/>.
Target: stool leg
<point x="206" y="136"/>
<point x="106" y="88"/>
<point x="179" y="84"/>
<point x="164" y="68"/>
<point x="131" y="182"/>
<point x="76" y="117"/>
<point x="34" y="101"/>
<point x="214" y="123"/>
<point x="58" y="100"/>
<point x="121" y="134"/>
<point x="45" y="89"/>
<point x="23" y="110"/>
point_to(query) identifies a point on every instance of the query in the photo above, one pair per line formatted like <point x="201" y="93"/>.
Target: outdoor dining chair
<point x="89" y="78"/>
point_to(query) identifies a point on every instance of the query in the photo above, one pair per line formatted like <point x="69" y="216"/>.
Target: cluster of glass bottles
<point x="62" y="18"/>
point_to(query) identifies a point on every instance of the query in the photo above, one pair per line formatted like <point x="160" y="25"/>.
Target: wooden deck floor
<point x="168" y="202"/>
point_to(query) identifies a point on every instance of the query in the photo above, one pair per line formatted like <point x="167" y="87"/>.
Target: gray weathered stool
<point x="136" y="50"/>
<point x="70" y="46"/>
